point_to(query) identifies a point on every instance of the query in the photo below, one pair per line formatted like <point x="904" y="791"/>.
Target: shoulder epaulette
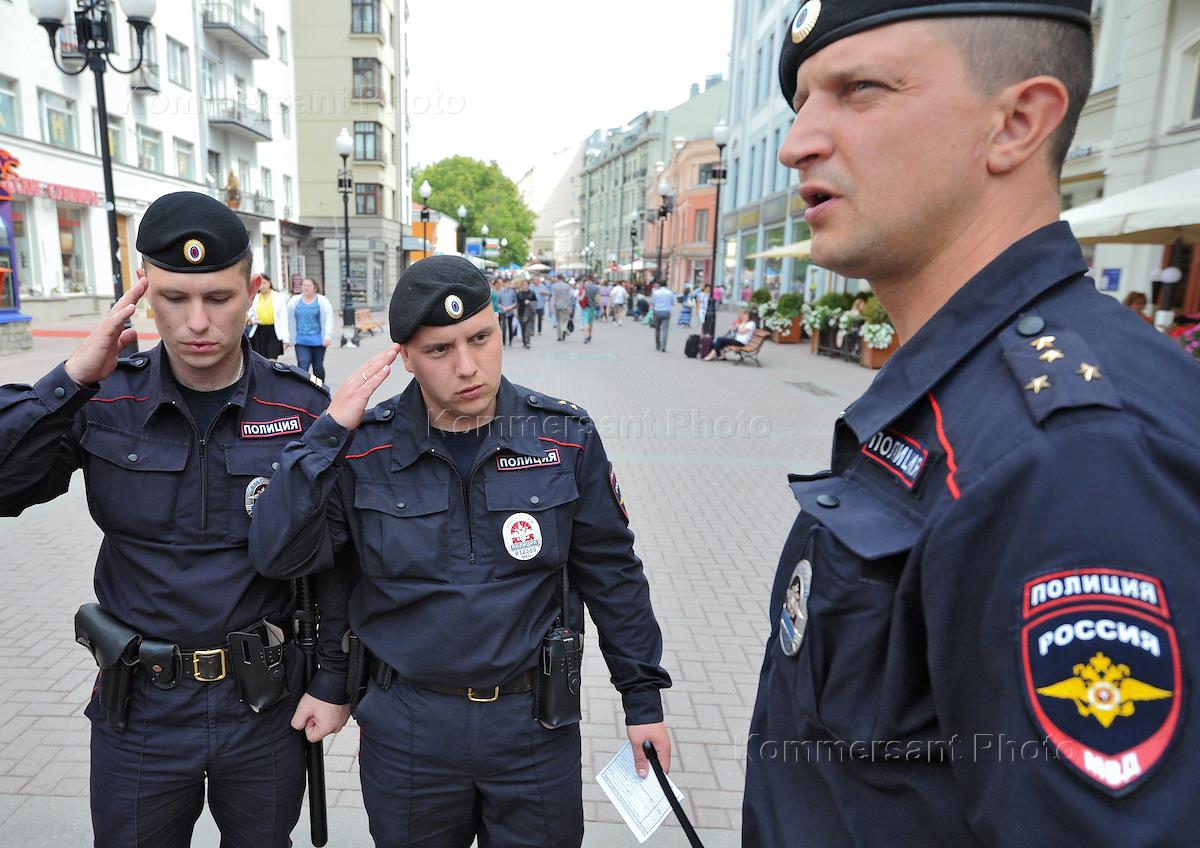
<point x="551" y="404"/>
<point x="294" y="371"/>
<point x="1055" y="368"/>
<point x="138" y="360"/>
<point x="382" y="412"/>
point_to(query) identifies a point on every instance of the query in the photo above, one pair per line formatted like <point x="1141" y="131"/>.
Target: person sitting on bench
<point x="742" y="332"/>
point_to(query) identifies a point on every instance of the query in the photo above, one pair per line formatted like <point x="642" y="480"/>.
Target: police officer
<point x="460" y="502"/>
<point x="981" y="620"/>
<point x="174" y="445"/>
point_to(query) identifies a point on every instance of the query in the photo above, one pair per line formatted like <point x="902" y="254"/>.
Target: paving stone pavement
<point x="701" y="450"/>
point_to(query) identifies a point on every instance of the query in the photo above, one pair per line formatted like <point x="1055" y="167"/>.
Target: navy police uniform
<point x="457" y="564"/>
<point x="982" y="621"/>
<point x="173" y="503"/>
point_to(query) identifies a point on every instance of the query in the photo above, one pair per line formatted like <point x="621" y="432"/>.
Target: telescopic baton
<point x="307" y="617"/>
<point x="684" y="822"/>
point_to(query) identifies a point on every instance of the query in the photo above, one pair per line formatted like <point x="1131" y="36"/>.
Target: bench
<point x="749" y="351"/>
<point x="364" y="322"/>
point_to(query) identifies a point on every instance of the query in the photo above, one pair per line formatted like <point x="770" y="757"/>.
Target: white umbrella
<point x="639" y="265"/>
<point x="537" y="266"/>
<point x="796" y="250"/>
<point x="1157" y="213"/>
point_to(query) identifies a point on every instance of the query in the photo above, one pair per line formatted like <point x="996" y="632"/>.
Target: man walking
<point x="662" y="300"/>
<point x="562" y="297"/>
<point x="542" y="292"/>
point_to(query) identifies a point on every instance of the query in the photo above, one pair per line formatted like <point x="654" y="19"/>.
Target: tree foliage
<point x="490" y="198"/>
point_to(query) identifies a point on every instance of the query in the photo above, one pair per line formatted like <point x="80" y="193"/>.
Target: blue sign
<point x="1111" y="278"/>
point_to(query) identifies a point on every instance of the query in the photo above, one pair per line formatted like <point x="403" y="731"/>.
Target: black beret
<point x="436" y="292"/>
<point x="819" y="23"/>
<point x="191" y="232"/>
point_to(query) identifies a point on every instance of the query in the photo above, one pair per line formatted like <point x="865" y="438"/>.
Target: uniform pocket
<point x="133" y="482"/>
<point x="249" y="468"/>
<point x="857" y="548"/>
<point x="529" y="514"/>
<point x="405" y="530"/>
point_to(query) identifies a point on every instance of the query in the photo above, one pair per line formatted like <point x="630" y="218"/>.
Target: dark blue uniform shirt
<point x="984" y="621"/>
<point x="459" y="575"/>
<point x="172" y="502"/>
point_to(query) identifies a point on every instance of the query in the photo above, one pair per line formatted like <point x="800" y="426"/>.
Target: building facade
<point x="687" y="231"/>
<point x="213" y="98"/>
<point x="551" y="190"/>
<point x="352" y="73"/>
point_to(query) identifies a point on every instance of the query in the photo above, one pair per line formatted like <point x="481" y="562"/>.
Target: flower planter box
<point x="875" y="357"/>
<point x="815" y="340"/>
<point x="793" y="336"/>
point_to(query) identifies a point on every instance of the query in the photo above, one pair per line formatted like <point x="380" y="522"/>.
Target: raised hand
<point x="96" y="358"/>
<point x="350" y="402"/>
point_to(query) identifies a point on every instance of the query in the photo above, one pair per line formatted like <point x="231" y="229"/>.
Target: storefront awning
<point x="1160" y="212"/>
<point x="795" y="250"/>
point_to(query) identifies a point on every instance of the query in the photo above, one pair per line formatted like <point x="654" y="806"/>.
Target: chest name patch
<point x="289" y="426"/>
<point x="1102" y="672"/>
<point x="902" y="455"/>
<point x="520" y="462"/>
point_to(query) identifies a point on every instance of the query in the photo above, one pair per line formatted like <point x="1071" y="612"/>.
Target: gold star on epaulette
<point x="1051" y="355"/>
<point x="1037" y="384"/>
<point x="315" y="380"/>
<point x="1042" y="343"/>
<point x="1089" y="372"/>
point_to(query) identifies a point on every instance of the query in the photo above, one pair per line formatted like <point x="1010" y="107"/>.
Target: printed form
<point x="641" y="803"/>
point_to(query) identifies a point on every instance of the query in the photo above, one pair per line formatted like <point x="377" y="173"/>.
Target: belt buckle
<point x="471" y="696"/>
<point x="215" y="652"/>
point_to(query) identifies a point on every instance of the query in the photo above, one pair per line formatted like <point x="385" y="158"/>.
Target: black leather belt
<point x="385" y="676"/>
<point x="212" y="665"/>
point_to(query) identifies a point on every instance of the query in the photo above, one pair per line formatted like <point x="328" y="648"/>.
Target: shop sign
<point x="11" y="184"/>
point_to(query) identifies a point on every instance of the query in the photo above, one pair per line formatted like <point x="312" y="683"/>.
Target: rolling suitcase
<point x="705" y="345"/>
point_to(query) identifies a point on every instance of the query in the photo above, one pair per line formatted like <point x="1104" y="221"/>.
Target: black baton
<point x="306" y="637"/>
<point x="652" y="756"/>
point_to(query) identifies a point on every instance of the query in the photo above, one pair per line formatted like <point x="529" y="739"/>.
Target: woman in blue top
<point x="310" y="322"/>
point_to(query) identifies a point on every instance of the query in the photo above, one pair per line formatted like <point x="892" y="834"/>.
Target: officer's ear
<point x="1028" y="113"/>
<point x="255" y="284"/>
<point x="404" y="358"/>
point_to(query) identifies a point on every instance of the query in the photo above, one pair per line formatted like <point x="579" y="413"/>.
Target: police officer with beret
<point x="970" y="643"/>
<point x="200" y="676"/>
<point x="460" y="506"/>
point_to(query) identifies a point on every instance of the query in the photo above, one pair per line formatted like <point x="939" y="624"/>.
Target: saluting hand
<point x="96" y="358"/>
<point x="350" y="402"/>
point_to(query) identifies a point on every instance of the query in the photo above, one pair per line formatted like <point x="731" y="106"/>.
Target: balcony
<point x="226" y="24"/>
<point x="249" y="204"/>
<point x="225" y="113"/>
<point x="145" y="79"/>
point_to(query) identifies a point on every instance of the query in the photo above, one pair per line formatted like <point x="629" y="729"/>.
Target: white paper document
<point x="641" y="803"/>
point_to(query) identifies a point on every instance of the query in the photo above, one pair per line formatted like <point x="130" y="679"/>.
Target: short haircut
<point x="1001" y="51"/>
<point x="247" y="266"/>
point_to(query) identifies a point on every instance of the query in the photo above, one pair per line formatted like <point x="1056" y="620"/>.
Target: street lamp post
<point x="664" y="209"/>
<point x="721" y="137"/>
<point x="633" y="221"/>
<point x="425" y="190"/>
<point x="462" y="229"/>
<point x="94" y="34"/>
<point x="345" y="146"/>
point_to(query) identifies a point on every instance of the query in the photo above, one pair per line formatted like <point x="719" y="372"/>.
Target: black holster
<point x="358" y="668"/>
<point x="558" y="680"/>
<point x="257" y="654"/>
<point x="114" y="646"/>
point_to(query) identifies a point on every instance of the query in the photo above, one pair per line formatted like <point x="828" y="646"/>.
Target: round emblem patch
<point x="454" y="306"/>
<point x="254" y="491"/>
<point x="805" y="20"/>
<point x="522" y="536"/>
<point x="793" y="618"/>
<point x="193" y="251"/>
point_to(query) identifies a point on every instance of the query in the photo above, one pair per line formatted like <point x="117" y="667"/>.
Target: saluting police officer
<point x="466" y="501"/>
<point x="175" y="444"/>
<point x="982" y="621"/>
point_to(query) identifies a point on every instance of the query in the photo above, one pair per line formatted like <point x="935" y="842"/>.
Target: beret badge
<point x="193" y="251"/>
<point x="454" y="306"/>
<point x="805" y="20"/>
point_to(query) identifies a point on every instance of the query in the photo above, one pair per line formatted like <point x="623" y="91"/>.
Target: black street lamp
<point x="664" y="209"/>
<point x="462" y="229"/>
<point x="345" y="146"/>
<point x="721" y="137"/>
<point x="425" y="190"/>
<point x="94" y="35"/>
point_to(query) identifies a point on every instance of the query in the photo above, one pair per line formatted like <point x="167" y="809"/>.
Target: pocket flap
<point x="402" y="500"/>
<point x="529" y="491"/>
<point x="857" y="517"/>
<point x="134" y="451"/>
<point x="246" y="462"/>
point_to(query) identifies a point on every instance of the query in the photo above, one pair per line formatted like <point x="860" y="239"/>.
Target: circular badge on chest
<point x="254" y="491"/>
<point x="522" y="536"/>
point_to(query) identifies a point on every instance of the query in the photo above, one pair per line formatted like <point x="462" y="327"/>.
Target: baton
<point x="684" y="822"/>
<point x="314" y="754"/>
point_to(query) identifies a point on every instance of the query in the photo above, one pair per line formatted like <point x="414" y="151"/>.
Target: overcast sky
<point x="516" y="81"/>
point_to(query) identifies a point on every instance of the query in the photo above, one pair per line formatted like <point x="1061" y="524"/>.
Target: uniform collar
<point x="514" y="427"/>
<point x="166" y="387"/>
<point x="1008" y="284"/>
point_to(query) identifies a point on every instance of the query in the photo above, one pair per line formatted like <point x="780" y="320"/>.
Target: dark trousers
<point x="438" y="770"/>
<point x="313" y="355"/>
<point x="506" y="319"/>
<point x="724" y="342"/>
<point x="148" y="783"/>
<point x="540" y="313"/>
<point x="662" y="324"/>
<point x="527" y="328"/>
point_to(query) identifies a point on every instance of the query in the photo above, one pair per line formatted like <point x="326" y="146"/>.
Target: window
<point x="264" y="105"/>
<point x="210" y="77"/>
<point x="287" y="196"/>
<point x="1196" y="96"/>
<point x="244" y="175"/>
<point x="701" y="229"/>
<point x="265" y="176"/>
<point x="185" y="159"/>
<point x="366" y="140"/>
<point x="758" y="70"/>
<point x="179" y="64"/>
<point x="116" y="136"/>
<point x="8" y="107"/>
<point x="149" y="45"/>
<point x="776" y="167"/>
<point x="366" y="78"/>
<point x="752" y="179"/>
<point x="214" y="167"/>
<point x="704" y="175"/>
<point x="150" y="155"/>
<point x="260" y="26"/>
<point x="58" y="121"/>
<point x="364" y="16"/>
<point x="366" y="198"/>
<point x="285" y="120"/>
<point x="281" y="34"/>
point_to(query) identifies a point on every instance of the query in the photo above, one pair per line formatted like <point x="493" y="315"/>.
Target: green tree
<point x="490" y="198"/>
